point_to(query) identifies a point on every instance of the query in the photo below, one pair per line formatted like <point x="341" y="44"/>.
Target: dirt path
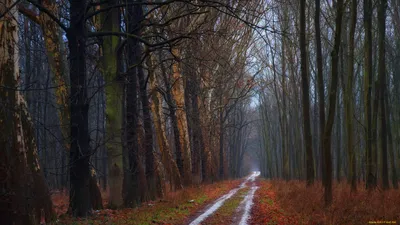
<point x="242" y="213"/>
<point x="245" y="207"/>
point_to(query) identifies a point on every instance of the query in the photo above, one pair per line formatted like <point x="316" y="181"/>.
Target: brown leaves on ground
<point x="281" y="202"/>
<point x="60" y="199"/>
<point x="174" y="208"/>
<point x="266" y="209"/>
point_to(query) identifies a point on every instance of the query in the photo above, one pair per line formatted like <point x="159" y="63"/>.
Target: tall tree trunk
<point x="178" y="95"/>
<point x="348" y="98"/>
<point x="114" y="92"/>
<point x="221" y="142"/>
<point x="172" y="112"/>
<point x="151" y="170"/>
<point x="156" y="108"/>
<point x="332" y="104"/>
<point x="321" y="89"/>
<point x="24" y="190"/>
<point x="306" y="99"/>
<point x="368" y="77"/>
<point x="396" y="78"/>
<point x="80" y="204"/>
<point x="152" y="178"/>
<point x="198" y="141"/>
<point x="338" y="141"/>
<point x="55" y="53"/>
<point x="133" y="183"/>
<point x="382" y="89"/>
<point x="390" y="144"/>
<point x="284" y="136"/>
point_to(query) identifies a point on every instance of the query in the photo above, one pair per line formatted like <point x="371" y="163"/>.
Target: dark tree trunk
<point x="382" y="89"/>
<point x="371" y="175"/>
<point x="390" y="144"/>
<point x="221" y="145"/>
<point x="321" y="92"/>
<point x="174" y="120"/>
<point x="151" y="175"/>
<point x="349" y="102"/>
<point x="80" y="204"/>
<point x="332" y="105"/>
<point x="199" y="160"/>
<point x="23" y="189"/>
<point x="131" y="186"/>
<point x="306" y="98"/>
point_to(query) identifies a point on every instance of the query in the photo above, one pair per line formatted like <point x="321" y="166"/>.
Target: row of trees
<point x="139" y="93"/>
<point x="345" y="78"/>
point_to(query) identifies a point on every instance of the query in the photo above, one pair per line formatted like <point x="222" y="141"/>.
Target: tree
<point x="156" y="108"/>
<point x="390" y="145"/>
<point x="368" y="76"/>
<point x="110" y="21"/>
<point x="348" y="92"/>
<point x="133" y="172"/>
<point x="382" y="90"/>
<point x="327" y="137"/>
<point x="306" y="100"/>
<point x="320" y="78"/>
<point x="53" y="45"/>
<point x="283" y="104"/>
<point x="24" y="190"/>
<point x="178" y="95"/>
<point x="80" y="204"/>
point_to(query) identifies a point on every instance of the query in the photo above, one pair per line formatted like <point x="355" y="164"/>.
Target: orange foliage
<point x="301" y="205"/>
<point x="266" y="210"/>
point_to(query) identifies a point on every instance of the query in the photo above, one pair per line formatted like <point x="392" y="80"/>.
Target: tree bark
<point x="199" y="163"/>
<point x="80" y="203"/>
<point x="321" y="89"/>
<point x="178" y="95"/>
<point x="390" y="144"/>
<point x="382" y="90"/>
<point x="132" y="177"/>
<point x="156" y="108"/>
<point x="24" y="190"/>
<point x="349" y="102"/>
<point x="368" y="77"/>
<point x="151" y="170"/>
<point x="332" y="105"/>
<point x="306" y="98"/>
<point x="284" y="133"/>
<point x="113" y="92"/>
<point x="221" y="143"/>
<point x="172" y="111"/>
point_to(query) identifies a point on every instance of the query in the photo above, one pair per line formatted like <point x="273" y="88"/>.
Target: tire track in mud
<point x="243" y="209"/>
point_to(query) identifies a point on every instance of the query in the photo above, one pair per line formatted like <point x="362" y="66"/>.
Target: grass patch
<point x="224" y="214"/>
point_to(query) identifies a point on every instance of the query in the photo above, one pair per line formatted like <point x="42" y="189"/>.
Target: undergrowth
<point x="174" y="208"/>
<point x="292" y="203"/>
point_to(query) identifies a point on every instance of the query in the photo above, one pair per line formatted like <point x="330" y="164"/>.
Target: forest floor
<point x="281" y="202"/>
<point x="252" y="201"/>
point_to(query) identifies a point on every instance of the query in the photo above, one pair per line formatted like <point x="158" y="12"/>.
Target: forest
<point x="199" y="112"/>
